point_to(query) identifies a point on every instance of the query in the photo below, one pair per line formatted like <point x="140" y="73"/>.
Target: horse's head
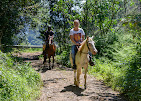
<point x="91" y="46"/>
<point x="50" y="40"/>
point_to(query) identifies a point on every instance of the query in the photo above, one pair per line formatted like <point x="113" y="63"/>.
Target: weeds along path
<point x="58" y="84"/>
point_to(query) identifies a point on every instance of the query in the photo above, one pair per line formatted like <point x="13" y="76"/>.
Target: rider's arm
<point x="83" y="36"/>
<point x="73" y="41"/>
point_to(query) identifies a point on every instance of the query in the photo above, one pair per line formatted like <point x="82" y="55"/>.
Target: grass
<point x="18" y="82"/>
<point x="31" y="50"/>
<point x="122" y="70"/>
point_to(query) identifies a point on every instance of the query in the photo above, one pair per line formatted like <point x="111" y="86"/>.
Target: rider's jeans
<point x="74" y="51"/>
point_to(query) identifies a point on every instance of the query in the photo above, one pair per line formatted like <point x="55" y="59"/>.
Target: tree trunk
<point x="125" y="7"/>
<point x="140" y="6"/>
<point x="86" y="18"/>
<point x="1" y="48"/>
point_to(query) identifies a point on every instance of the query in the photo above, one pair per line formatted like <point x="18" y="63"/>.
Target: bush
<point x="18" y="82"/>
<point x="63" y="58"/>
<point x="119" y="65"/>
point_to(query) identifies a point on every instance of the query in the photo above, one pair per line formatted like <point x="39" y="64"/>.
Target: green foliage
<point x="104" y="44"/>
<point x="11" y="21"/>
<point x="18" y="82"/>
<point x="63" y="58"/>
<point x="15" y="50"/>
<point x="100" y="15"/>
<point x="119" y="64"/>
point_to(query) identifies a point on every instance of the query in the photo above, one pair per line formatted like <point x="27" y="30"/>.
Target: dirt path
<point x="58" y="84"/>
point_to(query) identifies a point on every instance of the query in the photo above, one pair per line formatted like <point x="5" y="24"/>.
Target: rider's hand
<point x="78" y="44"/>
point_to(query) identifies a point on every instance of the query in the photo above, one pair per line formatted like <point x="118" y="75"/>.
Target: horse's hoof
<point x="85" y="86"/>
<point x="75" y="83"/>
<point x="49" y="68"/>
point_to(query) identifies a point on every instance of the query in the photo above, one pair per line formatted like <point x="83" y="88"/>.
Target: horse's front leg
<point x="85" y="76"/>
<point x="78" y="75"/>
<point x="75" y="83"/>
<point x="53" y="61"/>
<point x="45" y="57"/>
<point x="49" y="63"/>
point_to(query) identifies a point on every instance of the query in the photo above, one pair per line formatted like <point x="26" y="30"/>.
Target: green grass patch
<point x="31" y="50"/>
<point x="18" y="82"/>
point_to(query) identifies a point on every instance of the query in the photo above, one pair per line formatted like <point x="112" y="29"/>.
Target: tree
<point x="101" y="15"/>
<point x="11" y="21"/>
<point x="62" y="15"/>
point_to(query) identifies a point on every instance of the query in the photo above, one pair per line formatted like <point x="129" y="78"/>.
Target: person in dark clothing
<point x="48" y="34"/>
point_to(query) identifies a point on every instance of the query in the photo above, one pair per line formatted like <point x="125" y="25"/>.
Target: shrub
<point x="63" y="58"/>
<point x="18" y="82"/>
<point x="119" y="65"/>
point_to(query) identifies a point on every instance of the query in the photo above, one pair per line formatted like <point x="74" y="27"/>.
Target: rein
<point x="88" y="49"/>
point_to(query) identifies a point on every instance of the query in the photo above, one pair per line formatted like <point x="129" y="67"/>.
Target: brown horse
<point x="50" y="51"/>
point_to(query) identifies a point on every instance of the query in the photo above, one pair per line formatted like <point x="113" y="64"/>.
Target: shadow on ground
<point x="92" y="95"/>
<point x="35" y="57"/>
<point x="76" y="90"/>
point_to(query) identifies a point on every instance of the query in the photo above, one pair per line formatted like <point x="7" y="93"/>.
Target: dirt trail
<point x="58" y="84"/>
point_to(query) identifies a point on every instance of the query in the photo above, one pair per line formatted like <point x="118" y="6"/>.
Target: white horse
<point x="82" y="59"/>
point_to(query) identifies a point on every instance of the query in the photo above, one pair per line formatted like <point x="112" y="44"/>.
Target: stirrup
<point x="91" y="63"/>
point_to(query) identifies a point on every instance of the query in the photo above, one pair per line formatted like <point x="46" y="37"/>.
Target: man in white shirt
<point x="77" y="37"/>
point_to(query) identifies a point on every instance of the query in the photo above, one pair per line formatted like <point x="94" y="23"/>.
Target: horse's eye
<point x="89" y="43"/>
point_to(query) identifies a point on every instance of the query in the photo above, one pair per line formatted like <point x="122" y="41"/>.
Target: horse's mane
<point x="82" y="45"/>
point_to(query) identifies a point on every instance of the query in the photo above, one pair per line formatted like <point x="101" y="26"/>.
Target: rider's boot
<point x="91" y="62"/>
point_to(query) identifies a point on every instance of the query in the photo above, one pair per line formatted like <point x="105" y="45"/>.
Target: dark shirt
<point x="47" y="34"/>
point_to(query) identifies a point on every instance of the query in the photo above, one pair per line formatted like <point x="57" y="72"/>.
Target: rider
<point x="48" y="34"/>
<point x="77" y="37"/>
